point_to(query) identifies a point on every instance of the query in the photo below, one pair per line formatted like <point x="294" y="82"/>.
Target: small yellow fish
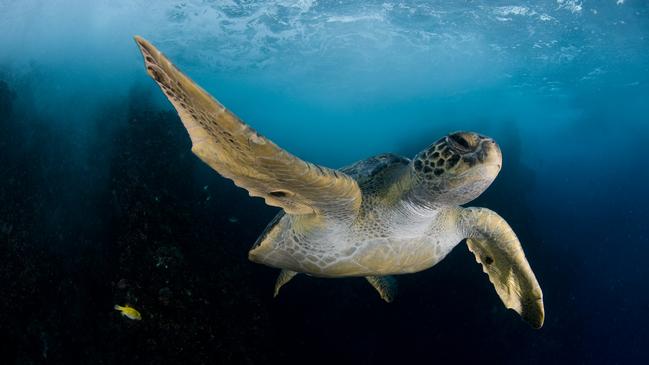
<point x="129" y="312"/>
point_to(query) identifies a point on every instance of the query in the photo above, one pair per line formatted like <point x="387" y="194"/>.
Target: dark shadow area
<point x="51" y="258"/>
<point x="143" y="237"/>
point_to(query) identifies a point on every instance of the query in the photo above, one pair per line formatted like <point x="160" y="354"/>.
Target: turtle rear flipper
<point x="385" y="285"/>
<point x="284" y="277"/>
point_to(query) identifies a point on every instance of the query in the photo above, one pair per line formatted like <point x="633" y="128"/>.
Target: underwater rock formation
<point x="145" y="251"/>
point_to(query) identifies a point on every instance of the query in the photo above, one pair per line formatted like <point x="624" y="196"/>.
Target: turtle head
<point x="456" y="169"/>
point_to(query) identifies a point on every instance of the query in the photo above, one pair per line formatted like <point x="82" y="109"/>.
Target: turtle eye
<point x="458" y="142"/>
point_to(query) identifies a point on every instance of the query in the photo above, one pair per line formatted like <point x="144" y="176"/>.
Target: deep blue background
<point x="101" y="201"/>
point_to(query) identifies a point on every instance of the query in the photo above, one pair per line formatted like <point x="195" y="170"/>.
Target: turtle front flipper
<point x="251" y="161"/>
<point x="497" y="248"/>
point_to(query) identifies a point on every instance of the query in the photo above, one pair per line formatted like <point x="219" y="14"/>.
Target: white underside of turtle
<point x="379" y="217"/>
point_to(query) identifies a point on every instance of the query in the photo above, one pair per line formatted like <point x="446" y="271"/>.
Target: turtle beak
<point x="483" y="148"/>
<point x="490" y="152"/>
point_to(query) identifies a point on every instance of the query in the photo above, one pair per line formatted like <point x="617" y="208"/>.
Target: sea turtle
<point x="382" y="216"/>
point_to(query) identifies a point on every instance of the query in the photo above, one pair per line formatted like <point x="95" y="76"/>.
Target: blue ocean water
<point x="102" y="202"/>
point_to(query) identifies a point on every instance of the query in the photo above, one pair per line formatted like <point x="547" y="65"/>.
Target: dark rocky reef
<point x="139" y="233"/>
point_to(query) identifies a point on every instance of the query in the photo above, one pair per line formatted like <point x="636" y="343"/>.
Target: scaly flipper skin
<point x="250" y="160"/>
<point x="385" y="285"/>
<point x="284" y="277"/>
<point x="497" y="248"/>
